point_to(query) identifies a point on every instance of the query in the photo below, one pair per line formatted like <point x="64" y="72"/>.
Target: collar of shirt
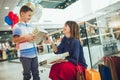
<point x="24" y="24"/>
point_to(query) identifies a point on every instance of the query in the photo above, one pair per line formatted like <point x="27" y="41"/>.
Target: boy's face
<point x="26" y="16"/>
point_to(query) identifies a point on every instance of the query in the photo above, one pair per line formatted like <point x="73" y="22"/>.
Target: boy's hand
<point x="30" y="37"/>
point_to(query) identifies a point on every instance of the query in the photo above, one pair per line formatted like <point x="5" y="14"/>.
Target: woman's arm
<point x="74" y="56"/>
<point x="54" y="47"/>
<point x="57" y="49"/>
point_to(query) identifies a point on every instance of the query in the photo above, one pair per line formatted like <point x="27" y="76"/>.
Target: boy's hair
<point x="25" y="9"/>
<point x="74" y="29"/>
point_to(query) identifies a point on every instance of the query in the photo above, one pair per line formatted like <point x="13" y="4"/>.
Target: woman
<point x="66" y="69"/>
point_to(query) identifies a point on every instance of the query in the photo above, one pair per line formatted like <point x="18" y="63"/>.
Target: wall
<point x="99" y="4"/>
<point x="52" y="16"/>
<point x="85" y="9"/>
<point x="78" y="9"/>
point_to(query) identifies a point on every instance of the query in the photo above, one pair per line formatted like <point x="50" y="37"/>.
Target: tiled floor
<point x="13" y="71"/>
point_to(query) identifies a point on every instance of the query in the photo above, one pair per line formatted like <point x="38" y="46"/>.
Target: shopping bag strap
<point x="79" y="69"/>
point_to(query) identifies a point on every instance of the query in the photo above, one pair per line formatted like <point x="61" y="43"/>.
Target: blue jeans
<point x="30" y="65"/>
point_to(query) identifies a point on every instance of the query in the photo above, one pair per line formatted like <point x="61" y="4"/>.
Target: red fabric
<point x="64" y="71"/>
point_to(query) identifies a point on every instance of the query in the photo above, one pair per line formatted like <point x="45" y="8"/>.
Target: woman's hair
<point x="25" y="9"/>
<point x="74" y="29"/>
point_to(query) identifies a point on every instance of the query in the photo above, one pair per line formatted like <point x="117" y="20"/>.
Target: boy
<point x="22" y="36"/>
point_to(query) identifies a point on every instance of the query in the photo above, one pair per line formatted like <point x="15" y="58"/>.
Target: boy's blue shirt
<point x="27" y="49"/>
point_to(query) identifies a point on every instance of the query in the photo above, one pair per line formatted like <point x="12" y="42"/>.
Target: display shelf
<point x="106" y="43"/>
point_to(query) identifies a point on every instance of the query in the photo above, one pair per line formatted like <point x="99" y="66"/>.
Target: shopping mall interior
<point x="99" y="23"/>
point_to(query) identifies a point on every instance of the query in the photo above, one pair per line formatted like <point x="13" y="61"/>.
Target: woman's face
<point x="66" y="30"/>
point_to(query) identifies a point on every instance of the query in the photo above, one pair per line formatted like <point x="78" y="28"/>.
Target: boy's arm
<point x="23" y="38"/>
<point x="18" y="37"/>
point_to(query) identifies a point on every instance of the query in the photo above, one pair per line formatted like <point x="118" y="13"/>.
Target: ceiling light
<point x="117" y="13"/>
<point x="7" y="8"/>
<point x="5" y="32"/>
<point x="5" y="23"/>
<point x="42" y="26"/>
<point x="7" y="38"/>
<point x="67" y="4"/>
<point x="9" y="28"/>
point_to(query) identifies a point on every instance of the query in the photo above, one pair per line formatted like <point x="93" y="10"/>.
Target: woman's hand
<point x="48" y="40"/>
<point x="59" y="61"/>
